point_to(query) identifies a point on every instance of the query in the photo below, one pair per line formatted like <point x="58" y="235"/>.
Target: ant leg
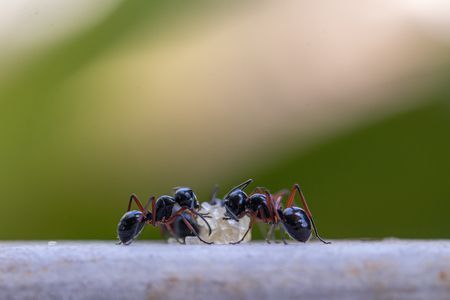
<point x="248" y="230"/>
<point x="153" y="211"/>
<point x="308" y="212"/>
<point x="269" y="234"/>
<point x="175" y="215"/>
<point x="273" y="234"/>
<point x="283" y="232"/>
<point x="258" y="190"/>
<point x="240" y="186"/>
<point x="250" y="226"/>
<point x="203" y="218"/>
<point x="290" y="200"/>
<point x="164" y="232"/>
<point x="270" y="205"/>
<point x="278" y="197"/>
<point x="172" y="233"/>
<point x="207" y="215"/>
<point x="138" y="203"/>
<point x="193" y="230"/>
<point x="151" y="199"/>
<point x="281" y="193"/>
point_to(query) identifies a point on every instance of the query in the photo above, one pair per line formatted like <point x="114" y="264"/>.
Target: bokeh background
<point x="99" y="99"/>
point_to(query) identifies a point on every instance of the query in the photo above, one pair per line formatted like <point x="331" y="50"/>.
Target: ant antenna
<point x="308" y="212"/>
<point x="214" y="192"/>
<point x="240" y="186"/>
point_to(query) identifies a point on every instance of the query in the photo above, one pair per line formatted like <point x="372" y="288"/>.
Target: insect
<point x="181" y="207"/>
<point x="264" y="207"/>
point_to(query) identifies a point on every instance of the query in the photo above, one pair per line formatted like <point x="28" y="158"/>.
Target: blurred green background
<point x="350" y="100"/>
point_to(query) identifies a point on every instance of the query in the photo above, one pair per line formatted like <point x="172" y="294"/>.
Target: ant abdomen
<point x="297" y="223"/>
<point x="130" y="226"/>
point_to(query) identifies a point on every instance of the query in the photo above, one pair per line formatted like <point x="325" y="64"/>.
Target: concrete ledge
<point x="391" y="269"/>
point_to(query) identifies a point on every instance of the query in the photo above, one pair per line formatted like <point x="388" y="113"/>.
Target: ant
<point x="261" y="206"/>
<point x="165" y="211"/>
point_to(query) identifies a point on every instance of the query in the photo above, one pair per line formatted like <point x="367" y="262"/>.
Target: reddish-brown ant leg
<point x="252" y="220"/>
<point x="273" y="216"/>
<point x="153" y="211"/>
<point x="272" y="209"/>
<point x="145" y="211"/>
<point x="170" y="230"/>
<point x="151" y="199"/>
<point x="278" y="196"/>
<point x="138" y="203"/>
<point x="290" y="201"/>
<point x="194" y="214"/>
<point x="257" y="190"/>
<point x="308" y="212"/>
<point x="302" y="197"/>
<point x="192" y="229"/>
<point x="175" y="215"/>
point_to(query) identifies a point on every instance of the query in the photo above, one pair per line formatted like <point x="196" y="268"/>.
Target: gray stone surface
<point x="390" y="269"/>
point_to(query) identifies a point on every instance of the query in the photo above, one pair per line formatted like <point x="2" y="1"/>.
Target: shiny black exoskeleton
<point x="258" y="205"/>
<point x="297" y="223"/>
<point x="185" y="197"/>
<point x="165" y="211"/>
<point x="163" y="208"/>
<point x="131" y="225"/>
<point x="263" y="207"/>
<point x="236" y="200"/>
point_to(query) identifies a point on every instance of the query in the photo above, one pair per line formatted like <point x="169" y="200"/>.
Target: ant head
<point x="185" y="197"/>
<point x="131" y="225"/>
<point x="235" y="202"/>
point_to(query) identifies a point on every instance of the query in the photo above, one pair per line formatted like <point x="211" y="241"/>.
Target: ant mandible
<point x="261" y="206"/>
<point x="165" y="211"/>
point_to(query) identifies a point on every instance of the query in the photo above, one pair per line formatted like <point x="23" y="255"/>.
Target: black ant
<point x="165" y="211"/>
<point x="261" y="206"/>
